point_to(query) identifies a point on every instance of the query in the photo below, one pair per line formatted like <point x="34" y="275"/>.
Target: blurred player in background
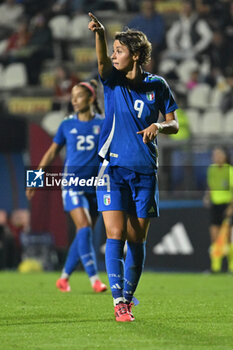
<point x="80" y="133"/>
<point x="128" y="147"/>
<point x="220" y="197"/>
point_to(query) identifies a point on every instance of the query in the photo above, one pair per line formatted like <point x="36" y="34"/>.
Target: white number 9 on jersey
<point x="138" y="106"/>
<point x="89" y="140"/>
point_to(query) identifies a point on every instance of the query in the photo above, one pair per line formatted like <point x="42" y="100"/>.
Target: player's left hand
<point x="30" y="192"/>
<point x="149" y="134"/>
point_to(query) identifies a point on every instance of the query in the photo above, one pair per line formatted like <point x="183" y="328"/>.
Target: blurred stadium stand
<point x="14" y="76"/>
<point x="183" y="162"/>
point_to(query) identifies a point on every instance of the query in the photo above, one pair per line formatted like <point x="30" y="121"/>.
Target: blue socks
<point x="122" y="284"/>
<point x="86" y="251"/>
<point x="124" y="277"/>
<point x="115" y="266"/>
<point x="82" y="248"/>
<point x="72" y="257"/>
<point x="134" y="264"/>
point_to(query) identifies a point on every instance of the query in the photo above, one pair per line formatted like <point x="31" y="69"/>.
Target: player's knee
<point x="136" y="239"/>
<point x="137" y="236"/>
<point x="115" y="232"/>
<point x="83" y="224"/>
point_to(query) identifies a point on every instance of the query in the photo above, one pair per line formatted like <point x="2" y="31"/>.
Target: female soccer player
<point x="80" y="132"/>
<point x="133" y="99"/>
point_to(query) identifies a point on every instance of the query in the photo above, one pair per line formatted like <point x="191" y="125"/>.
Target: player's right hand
<point x="94" y="25"/>
<point x="30" y="193"/>
<point x="149" y="134"/>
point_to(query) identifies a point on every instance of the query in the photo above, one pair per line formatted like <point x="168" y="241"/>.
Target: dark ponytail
<point x="96" y="105"/>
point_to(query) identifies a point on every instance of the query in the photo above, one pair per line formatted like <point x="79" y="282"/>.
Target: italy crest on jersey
<point x="74" y="200"/>
<point x="96" y="129"/>
<point x="150" y="96"/>
<point x="107" y="199"/>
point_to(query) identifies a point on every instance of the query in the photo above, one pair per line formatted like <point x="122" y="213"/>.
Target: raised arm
<point x="104" y="61"/>
<point x="46" y="160"/>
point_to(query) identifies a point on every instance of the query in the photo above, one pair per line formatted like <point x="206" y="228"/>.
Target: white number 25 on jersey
<point x="89" y="140"/>
<point x="138" y="106"/>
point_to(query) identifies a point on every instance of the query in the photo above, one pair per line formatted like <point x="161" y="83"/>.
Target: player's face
<point x="80" y="99"/>
<point x="121" y="57"/>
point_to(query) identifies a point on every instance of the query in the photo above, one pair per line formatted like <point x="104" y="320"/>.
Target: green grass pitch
<point x="176" y="312"/>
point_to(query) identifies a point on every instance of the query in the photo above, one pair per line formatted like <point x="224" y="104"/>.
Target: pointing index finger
<point x="93" y="17"/>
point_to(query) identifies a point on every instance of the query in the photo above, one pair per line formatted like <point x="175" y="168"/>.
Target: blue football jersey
<point x="129" y="109"/>
<point x="81" y="139"/>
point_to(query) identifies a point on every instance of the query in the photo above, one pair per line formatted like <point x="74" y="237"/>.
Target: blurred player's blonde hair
<point x="136" y="42"/>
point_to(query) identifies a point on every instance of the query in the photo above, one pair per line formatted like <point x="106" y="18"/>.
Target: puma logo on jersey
<point x="74" y="131"/>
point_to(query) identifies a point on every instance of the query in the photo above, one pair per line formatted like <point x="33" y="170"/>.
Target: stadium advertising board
<point x="177" y="241"/>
